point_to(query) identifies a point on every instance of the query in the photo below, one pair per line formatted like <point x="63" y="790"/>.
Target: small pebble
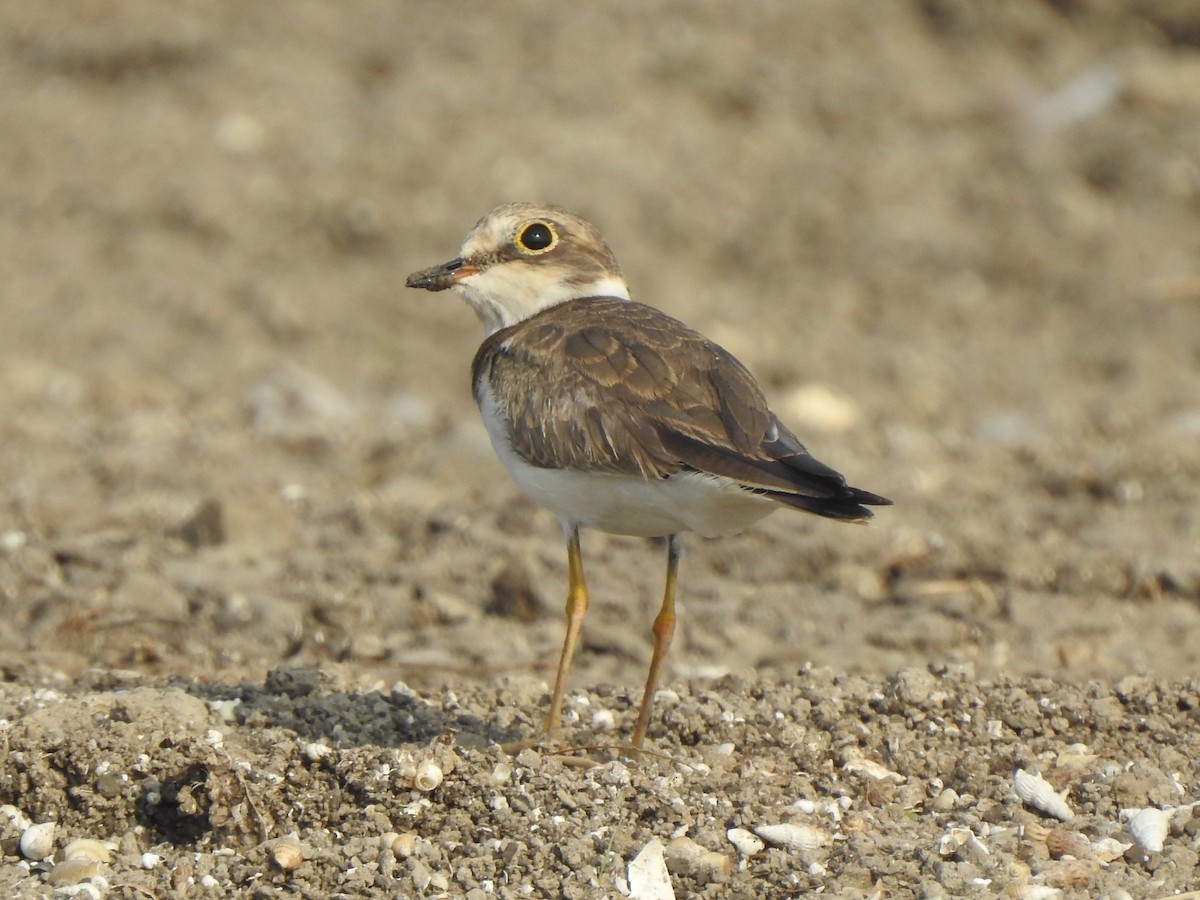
<point x="946" y="800"/>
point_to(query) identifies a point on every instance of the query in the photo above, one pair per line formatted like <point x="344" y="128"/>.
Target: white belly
<point x="625" y="504"/>
<point x="621" y="504"/>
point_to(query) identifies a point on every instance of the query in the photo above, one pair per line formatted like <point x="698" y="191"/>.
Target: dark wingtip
<point x="868" y="499"/>
<point x="850" y="506"/>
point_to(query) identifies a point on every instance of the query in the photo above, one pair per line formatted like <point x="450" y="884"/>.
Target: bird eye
<point x="537" y="238"/>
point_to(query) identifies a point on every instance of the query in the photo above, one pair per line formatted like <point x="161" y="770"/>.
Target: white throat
<point x="505" y="295"/>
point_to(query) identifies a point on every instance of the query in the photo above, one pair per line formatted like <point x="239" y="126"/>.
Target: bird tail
<point x="849" y="506"/>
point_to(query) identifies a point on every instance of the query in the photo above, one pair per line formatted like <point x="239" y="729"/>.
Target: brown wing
<point x="614" y="386"/>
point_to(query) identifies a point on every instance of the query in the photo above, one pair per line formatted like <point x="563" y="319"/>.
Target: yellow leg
<point x="577" y="604"/>
<point x="663" y="630"/>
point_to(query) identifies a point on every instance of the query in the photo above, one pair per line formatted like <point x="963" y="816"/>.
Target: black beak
<point x="438" y="278"/>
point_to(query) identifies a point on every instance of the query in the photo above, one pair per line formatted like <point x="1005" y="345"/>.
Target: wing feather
<point x="608" y="385"/>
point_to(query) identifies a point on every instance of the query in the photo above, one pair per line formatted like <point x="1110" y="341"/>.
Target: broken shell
<point x="420" y="873"/>
<point x="746" y="842"/>
<point x="952" y="841"/>
<point x="977" y="848"/>
<point x="428" y="775"/>
<point x="604" y="720"/>
<point x="647" y="872"/>
<point x="854" y="824"/>
<point x="287" y="853"/>
<point x="405" y="766"/>
<point x="445" y="757"/>
<point x="16" y="818"/>
<point x="1109" y="849"/>
<point x="860" y="764"/>
<point x="316" y="751"/>
<point x="1036" y="791"/>
<point x="37" y="841"/>
<point x="957" y="839"/>
<point x="794" y="837"/>
<point x="681" y="854"/>
<point x="1034" y="831"/>
<point x="501" y="774"/>
<point x="1018" y="874"/>
<point x="73" y="871"/>
<point x="1039" y="892"/>
<point x="684" y="855"/>
<point x="1060" y="843"/>
<point x="1075" y="758"/>
<point x="86" y="849"/>
<point x="1148" y="826"/>
<point x="1069" y="873"/>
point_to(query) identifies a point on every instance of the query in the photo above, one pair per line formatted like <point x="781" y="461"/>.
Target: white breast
<point x="625" y="504"/>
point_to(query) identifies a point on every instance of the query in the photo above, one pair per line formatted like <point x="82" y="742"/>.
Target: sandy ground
<point x="258" y="565"/>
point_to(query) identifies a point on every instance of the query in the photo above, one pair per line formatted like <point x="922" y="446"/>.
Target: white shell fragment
<point x="1109" y="849"/>
<point x="501" y="774"/>
<point x="1075" y="758"/>
<point x="87" y="849"/>
<point x="1040" y="892"/>
<point x="1148" y="826"/>
<point x="958" y="841"/>
<point x="684" y="855"/>
<point x="604" y="720"/>
<point x="428" y="775"/>
<point x="648" y="876"/>
<point x="37" y="841"/>
<point x="861" y="765"/>
<point x="421" y="874"/>
<point x="72" y="871"/>
<point x="746" y="842"/>
<point x="1035" y="791"/>
<point x="16" y="818"/>
<point x="316" y="751"/>
<point x="951" y="842"/>
<point x="793" y="837"/>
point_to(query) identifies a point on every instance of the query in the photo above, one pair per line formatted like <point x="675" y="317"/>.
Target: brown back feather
<point x="588" y="385"/>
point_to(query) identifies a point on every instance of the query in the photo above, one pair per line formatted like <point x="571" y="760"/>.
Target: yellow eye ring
<point x="536" y="237"/>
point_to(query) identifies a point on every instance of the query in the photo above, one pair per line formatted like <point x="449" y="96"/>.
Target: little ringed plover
<point x="616" y="416"/>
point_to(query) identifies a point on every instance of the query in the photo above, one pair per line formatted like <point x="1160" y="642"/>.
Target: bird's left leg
<point x="577" y="604"/>
<point x="663" y="630"/>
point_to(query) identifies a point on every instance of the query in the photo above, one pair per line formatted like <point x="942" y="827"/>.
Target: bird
<point x="616" y="416"/>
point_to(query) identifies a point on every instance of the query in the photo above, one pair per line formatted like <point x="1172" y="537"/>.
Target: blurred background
<point x="958" y="243"/>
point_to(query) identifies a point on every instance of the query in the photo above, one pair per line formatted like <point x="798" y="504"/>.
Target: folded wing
<point x="588" y="385"/>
